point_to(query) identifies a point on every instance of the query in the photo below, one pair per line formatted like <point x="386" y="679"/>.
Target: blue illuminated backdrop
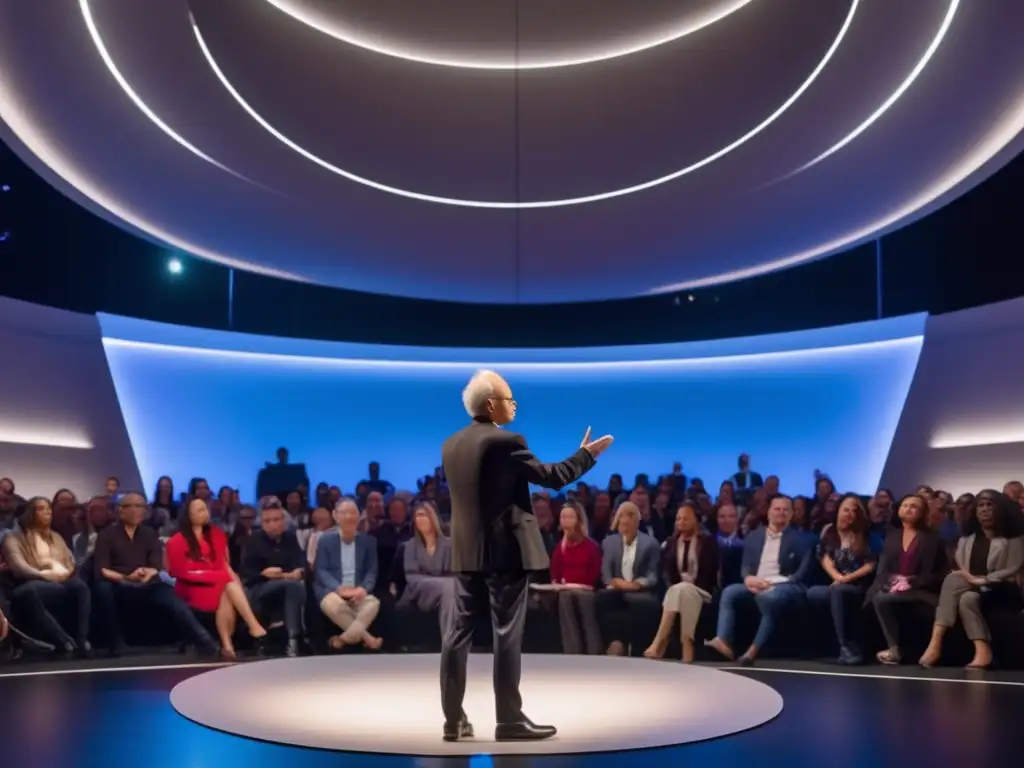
<point x="217" y="405"/>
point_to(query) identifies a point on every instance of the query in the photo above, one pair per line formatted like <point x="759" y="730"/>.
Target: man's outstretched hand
<point x="596" y="447"/>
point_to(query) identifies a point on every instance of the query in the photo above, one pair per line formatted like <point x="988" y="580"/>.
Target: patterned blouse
<point x="844" y="559"/>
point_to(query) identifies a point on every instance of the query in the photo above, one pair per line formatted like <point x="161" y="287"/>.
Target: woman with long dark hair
<point x="910" y="570"/>
<point x="988" y="556"/>
<point x="691" y="569"/>
<point x="846" y="558"/>
<point x="198" y="560"/>
<point x="163" y="512"/>
<point x="44" y="573"/>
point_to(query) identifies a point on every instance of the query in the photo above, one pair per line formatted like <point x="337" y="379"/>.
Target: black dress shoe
<point x="523" y="730"/>
<point x="292" y="649"/>
<point x="85" y="650"/>
<point x="460" y="730"/>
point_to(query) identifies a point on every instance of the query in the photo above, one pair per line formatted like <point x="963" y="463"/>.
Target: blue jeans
<point x="841" y="599"/>
<point x="769" y="603"/>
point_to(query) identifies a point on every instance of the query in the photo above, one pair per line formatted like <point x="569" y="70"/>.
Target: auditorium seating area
<point x="624" y="580"/>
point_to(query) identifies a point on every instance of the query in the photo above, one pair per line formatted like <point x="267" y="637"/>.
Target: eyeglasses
<point x="505" y="399"/>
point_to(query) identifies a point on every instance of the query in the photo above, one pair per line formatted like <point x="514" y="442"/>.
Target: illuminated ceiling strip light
<point x="108" y="60"/>
<point x="1007" y="129"/>
<point x="347" y="34"/>
<point x="855" y="4"/>
<point x="44" y="437"/>
<point x="976" y="438"/>
<point x="947" y="22"/>
<point x="35" y="141"/>
<point x="341" y="362"/>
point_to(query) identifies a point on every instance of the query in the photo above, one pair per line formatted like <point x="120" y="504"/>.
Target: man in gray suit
<point x="495" y="543"/>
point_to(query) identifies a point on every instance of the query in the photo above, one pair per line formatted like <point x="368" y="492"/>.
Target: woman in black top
<point x="910" y="570"/>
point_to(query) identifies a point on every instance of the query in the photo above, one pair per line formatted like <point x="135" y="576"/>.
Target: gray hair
<point x="344" y="503"/>
<point x="478" y="391"/>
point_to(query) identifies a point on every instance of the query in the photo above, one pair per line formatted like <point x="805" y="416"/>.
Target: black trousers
<point x="505" y="595"/>
<point x="155" y="594"/>
<point x="39" y="597"/>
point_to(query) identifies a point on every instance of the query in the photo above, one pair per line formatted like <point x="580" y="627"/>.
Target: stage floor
<point x="598" y="703"/>
<point x="107" y="714"/>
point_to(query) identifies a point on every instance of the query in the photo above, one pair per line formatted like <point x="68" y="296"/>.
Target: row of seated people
<point x="600" y="592"/>
<point x="131" y="572"/>
<point x="780" y="571"/>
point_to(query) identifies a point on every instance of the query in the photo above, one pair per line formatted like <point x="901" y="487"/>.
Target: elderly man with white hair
<point x="495" y="543"/>
<point x="345" y="574"/>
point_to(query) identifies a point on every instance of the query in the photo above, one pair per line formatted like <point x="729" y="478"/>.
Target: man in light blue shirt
<point x="345" y="575"/>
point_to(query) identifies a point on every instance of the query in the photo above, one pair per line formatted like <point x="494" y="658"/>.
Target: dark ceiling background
<point x="54" y="252"/>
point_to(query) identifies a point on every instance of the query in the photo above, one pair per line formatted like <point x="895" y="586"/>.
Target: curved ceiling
<point x="512" y="151"/>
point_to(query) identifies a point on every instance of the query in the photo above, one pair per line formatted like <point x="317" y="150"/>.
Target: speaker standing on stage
<point x="495" y="543"/>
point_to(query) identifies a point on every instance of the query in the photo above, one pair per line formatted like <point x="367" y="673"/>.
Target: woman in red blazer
<point x="198" y="561"/>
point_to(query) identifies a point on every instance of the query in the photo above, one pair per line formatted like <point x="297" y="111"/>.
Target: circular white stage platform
<point x="390" y="704"/>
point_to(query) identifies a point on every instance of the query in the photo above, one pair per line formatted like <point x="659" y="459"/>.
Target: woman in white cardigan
<point x="989" y="556"/>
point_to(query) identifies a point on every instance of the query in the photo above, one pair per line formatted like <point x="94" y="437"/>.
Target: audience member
<point x="880" y="516"/>
<point x="600" y="516"/>
<point x="373" y="512"/>
<point x="43" y="571"/>
<point x="113" y="486"/>
<point x="164" y="509"/>
<point x="242" y="531"/>
<point x="726" y="526"/>
<point x="745" y="479"/>
<point x="776" y="560"/>
<point x="391" y="534"/>
<point x="310" y="537"/>
<point x="910" y="570"/>
<point x="629" y="573"/>
<point x="541" y="507"/>
<point x="575" y="572"/>
<point x="345" y="577"/>
<point x="988" y="556"/>
<point x="375" y="483"/>
<point x="273" y="569"/>
<point x="427" y="566"/>
<point x="1014" y="490"/>
<point x="847" y="560"/>
<point x="65" y="508"/>
<point x="198" y="561"/>
<point x="127" y="562"/>
<point x="97" y="517"/>
<point x="690" y="566"/>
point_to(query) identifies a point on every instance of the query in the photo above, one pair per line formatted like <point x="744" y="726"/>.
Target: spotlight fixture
<point x="174" y="266"/>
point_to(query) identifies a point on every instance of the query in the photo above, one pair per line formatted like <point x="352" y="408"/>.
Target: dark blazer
<point x="794" y="554"/>
<point x="489" y="474"/>
<point x="327" y="574"/>
<point x="740" y="480"/>
<point x="645" y="564"/>
<point x="707" y="562"/>
<point x="929" y="564"/>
